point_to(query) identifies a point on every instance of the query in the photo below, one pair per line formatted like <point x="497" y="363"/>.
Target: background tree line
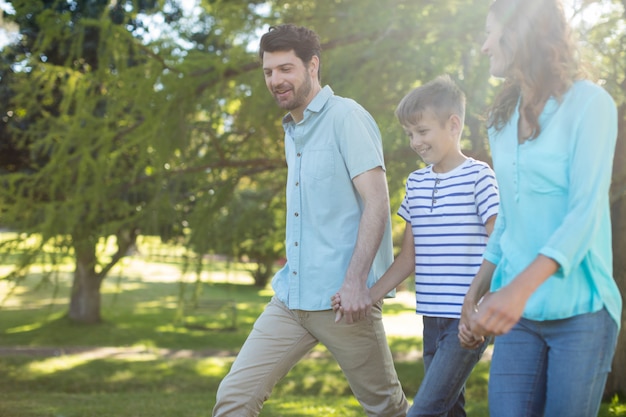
<point x="128" y="117"/>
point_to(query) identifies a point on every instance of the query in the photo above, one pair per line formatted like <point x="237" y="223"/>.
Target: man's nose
<point x="274" y="79"/>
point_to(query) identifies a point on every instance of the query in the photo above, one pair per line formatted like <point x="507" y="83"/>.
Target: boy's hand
<point x="335" y="302"/>
<point x="467" y="339"/>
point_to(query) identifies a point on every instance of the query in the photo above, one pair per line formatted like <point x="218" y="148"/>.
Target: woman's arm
<point x="499" y="311"/>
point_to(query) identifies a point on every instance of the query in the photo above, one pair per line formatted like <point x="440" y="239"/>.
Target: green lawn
<point x="145" y="360"/>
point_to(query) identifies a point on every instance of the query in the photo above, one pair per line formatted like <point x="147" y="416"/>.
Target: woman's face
<point x="498" y="63"/>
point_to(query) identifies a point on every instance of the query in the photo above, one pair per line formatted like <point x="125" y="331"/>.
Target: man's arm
<point x="355" y="297"/>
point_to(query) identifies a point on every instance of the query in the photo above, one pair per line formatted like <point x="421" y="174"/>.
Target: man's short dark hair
<point x="288" y="37"/>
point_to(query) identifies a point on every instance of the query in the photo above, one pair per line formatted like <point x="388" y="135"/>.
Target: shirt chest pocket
<point x="318" y="164"/>
<point x="547" y="173"/>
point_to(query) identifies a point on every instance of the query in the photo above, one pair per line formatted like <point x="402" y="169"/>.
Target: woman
<point x="552" y="302"/>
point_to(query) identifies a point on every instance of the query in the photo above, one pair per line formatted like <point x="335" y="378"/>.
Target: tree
<point x="102" y="133"/>
<point x="180" y="133"/>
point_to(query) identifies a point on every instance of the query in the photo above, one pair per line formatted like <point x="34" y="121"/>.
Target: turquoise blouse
<point x="554" y="201"/>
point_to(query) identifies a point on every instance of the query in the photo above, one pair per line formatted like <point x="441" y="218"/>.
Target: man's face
<point x="288" y="79"/>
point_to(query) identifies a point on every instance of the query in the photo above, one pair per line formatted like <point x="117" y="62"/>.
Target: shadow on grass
<point x="134" y="312"/>
<point x="315" y="385"/>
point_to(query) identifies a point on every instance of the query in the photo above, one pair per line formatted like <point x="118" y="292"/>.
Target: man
<point x="338" y="240"/>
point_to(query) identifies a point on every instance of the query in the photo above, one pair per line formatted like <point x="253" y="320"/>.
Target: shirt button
<point x="295" y="273"/>
<point x="297" y="183"/>
<point x="295" y="244"/>
<point x="298" y="154"/>
<point x="434" y="201"/>
<point x="296" y="214"/>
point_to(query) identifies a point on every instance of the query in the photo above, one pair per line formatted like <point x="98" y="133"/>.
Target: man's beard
<point x="299" y="96"/>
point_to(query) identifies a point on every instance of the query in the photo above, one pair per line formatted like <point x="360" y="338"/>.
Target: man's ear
<point x="314" y="66"/>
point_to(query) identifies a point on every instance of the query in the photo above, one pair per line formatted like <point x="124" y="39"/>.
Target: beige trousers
<point x="281" y="337"/>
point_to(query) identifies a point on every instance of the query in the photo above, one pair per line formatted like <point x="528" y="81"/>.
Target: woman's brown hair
<point x="537" y="40"/>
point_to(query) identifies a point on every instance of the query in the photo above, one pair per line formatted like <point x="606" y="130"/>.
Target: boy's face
<point x="434" y="142"/>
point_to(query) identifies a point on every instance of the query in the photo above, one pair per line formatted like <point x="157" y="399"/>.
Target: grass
<point x="144" y="361"/>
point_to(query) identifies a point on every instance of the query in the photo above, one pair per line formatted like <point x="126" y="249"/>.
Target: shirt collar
<point x="315" y="106"/>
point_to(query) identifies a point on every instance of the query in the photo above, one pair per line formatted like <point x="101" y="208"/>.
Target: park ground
<point x="143" y="362"/>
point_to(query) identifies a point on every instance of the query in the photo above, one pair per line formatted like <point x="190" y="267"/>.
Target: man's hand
<point x="352" y="303"/>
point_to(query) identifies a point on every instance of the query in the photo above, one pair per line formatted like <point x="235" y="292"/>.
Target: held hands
<point x="498" y="312"/>
<point x="495" y="315"/>
<point x="467" y="339"/>
<point x="352" y="308"/>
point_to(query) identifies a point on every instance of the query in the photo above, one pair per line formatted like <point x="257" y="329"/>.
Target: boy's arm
<point x="489" y="225"/>
<point x="482" y="281"/>
<point x="479" y="287"/>
<point x="400" y="269"/>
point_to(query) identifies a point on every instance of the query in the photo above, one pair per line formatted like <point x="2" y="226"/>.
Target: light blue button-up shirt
<point x="336" y="141"/>
<point x="554" y="201"/>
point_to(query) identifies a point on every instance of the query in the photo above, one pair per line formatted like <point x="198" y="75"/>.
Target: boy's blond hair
<point x="441" y="95"/>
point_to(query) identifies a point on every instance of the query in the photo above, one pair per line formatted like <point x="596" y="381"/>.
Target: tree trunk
<point x="85" y="297"/>
<point x="263" y="272"/>
<point x="616" y="383"/>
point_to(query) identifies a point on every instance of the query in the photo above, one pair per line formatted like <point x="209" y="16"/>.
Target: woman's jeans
<point x="447" y="366"/>
<point x="552" y="368"/>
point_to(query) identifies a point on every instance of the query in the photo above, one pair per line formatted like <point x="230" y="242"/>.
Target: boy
<point x="450" y="208"/>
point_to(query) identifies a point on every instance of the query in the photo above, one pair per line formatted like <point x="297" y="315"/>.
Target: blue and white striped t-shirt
<point x="448" y="213"/>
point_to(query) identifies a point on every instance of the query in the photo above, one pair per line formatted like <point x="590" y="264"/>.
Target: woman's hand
<point x="498" y="312"/>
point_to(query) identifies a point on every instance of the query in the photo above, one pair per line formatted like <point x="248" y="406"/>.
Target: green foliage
<point x="113" y="126"/>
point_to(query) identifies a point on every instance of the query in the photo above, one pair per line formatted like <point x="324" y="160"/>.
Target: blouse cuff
<point x="559" y="258"/>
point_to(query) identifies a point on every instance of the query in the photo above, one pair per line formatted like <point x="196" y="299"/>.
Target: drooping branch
<point x="126" y="239"/>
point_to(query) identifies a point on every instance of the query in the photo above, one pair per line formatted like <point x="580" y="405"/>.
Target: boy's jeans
<point x="447" y="366"/>
<point x="552" y="368"/>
